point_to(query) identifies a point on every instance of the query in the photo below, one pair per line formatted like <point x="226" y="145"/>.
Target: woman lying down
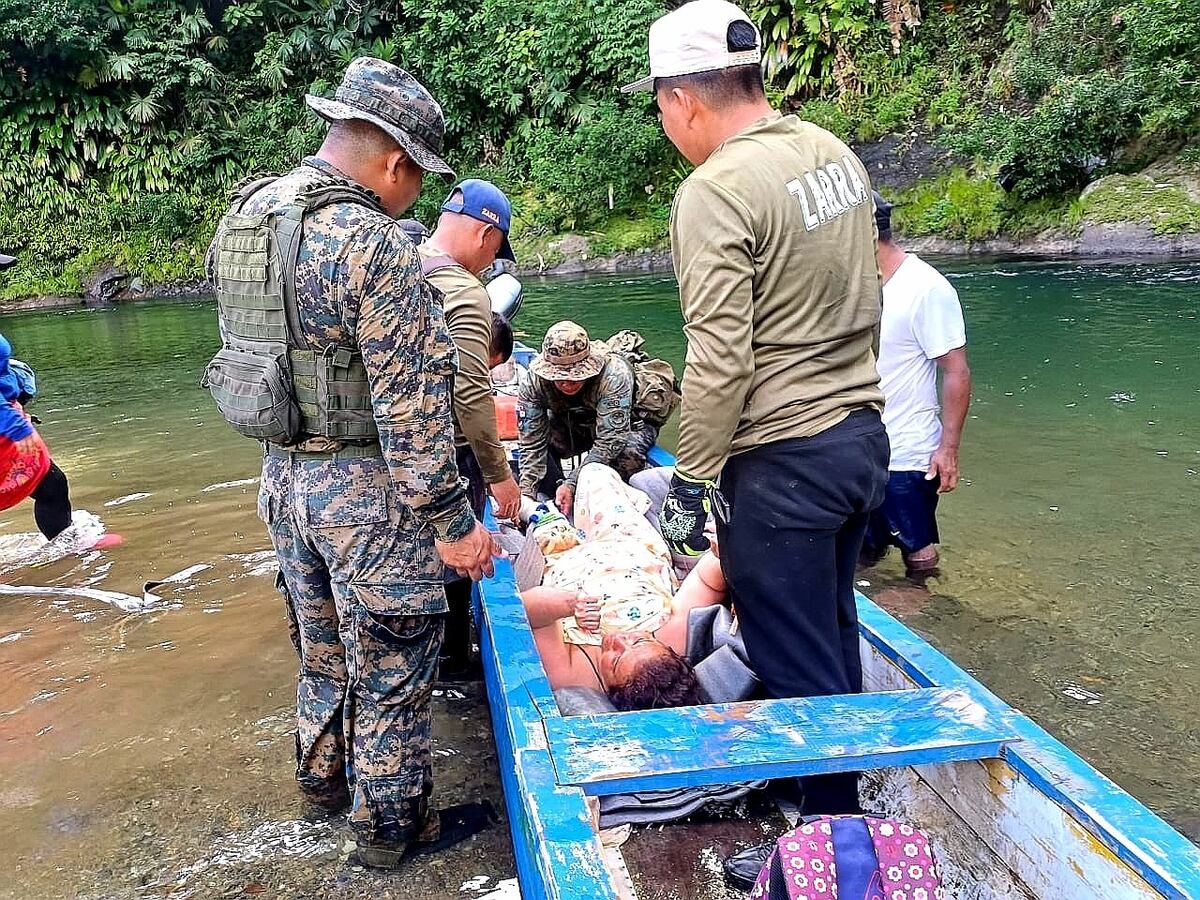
<point x="608" y="615"/>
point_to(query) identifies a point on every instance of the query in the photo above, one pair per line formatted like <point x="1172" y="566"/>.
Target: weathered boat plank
<point x="664" y="749"/>
<point x="1064" y="828"/>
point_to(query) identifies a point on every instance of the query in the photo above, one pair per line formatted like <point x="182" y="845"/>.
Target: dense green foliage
<point x="123" y="123"/>
<point x="137" y="116"/>
<point x="1099" y="86"/>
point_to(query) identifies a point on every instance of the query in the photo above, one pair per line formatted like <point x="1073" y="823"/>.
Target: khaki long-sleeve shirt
<point x="468" y="311"/>
<point x="773" y="240"/>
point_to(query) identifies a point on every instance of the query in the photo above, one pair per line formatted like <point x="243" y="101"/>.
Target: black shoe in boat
<point x="742" y="868"/>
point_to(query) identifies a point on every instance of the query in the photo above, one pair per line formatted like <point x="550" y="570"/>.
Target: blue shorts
<point x="908" y="516"/>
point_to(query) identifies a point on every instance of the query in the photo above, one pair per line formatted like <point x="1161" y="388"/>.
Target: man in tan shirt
<point x="471" y="233"/>
<point x="773" y="243"/>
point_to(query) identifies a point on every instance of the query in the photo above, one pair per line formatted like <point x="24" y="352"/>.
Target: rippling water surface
<point x="1070" y="587"/>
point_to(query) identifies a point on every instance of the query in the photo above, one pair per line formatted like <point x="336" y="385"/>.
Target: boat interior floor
<point x="683" y="860"/>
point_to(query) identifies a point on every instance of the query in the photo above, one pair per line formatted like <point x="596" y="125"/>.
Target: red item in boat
<point x="506" y="416"/>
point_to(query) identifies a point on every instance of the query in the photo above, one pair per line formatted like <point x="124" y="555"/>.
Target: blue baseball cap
<point x="484" y="201"/>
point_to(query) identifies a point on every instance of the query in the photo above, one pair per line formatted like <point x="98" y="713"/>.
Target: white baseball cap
<point x="694" y="38"/>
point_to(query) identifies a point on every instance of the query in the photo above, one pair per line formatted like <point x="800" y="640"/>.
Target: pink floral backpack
<point x="850" y="858"/>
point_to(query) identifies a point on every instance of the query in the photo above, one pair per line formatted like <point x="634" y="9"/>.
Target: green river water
<point x="132" y="745"/>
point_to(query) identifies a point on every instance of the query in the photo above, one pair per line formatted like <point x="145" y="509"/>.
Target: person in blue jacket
<point x="51" y="493"/>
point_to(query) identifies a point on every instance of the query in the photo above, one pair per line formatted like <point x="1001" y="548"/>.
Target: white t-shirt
<point x="922" y="320"/>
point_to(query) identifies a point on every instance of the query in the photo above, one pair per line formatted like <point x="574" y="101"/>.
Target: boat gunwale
<point x="1158" y="853"/>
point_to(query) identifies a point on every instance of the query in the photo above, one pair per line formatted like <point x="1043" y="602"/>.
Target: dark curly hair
<point x="669" y="680"/>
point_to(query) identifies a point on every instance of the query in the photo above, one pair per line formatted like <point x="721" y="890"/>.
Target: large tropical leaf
<point x="144" y="110"/>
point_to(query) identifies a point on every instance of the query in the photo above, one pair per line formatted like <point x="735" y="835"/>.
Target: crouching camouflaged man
<point x="336" y="356"/>
<point x="580" y="398"/>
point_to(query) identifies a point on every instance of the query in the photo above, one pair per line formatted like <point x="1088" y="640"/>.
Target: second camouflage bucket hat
<point x="388" y="97"/>
<point x="568" y="355"/>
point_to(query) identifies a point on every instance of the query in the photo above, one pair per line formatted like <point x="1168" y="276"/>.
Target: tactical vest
<point x="266" y="380"/>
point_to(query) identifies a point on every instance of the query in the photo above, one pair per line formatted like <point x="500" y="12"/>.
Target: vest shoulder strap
<point x="248" y="189"/>
<point x="287" y="237"/>
<point x="289" y="227"/>
<point x="431" y="264"/>
<point x="326" y="193"/>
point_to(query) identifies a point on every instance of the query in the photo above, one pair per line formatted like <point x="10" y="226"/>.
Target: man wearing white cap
<point x="773" y="242"/>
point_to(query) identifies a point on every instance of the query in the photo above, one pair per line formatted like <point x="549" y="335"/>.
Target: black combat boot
<point x="443" y="830"/>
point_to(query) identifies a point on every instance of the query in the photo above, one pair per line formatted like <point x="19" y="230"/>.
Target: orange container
<point x="506" y="416"/>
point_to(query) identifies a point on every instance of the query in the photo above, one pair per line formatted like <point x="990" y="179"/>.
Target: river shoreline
<point x="1094" y="244"/>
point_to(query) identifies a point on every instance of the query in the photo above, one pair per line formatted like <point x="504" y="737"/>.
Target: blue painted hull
<point x="1025" y="816"/>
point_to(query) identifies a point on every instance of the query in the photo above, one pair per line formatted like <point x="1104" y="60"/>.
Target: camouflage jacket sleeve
<point x="410" y="361"/>
<point x="614" y="404"/>
<point x="468" y="311"/>
<point x="534" y="426"/>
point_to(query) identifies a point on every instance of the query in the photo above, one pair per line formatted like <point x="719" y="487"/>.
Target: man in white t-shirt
<point x="921" y="333"/>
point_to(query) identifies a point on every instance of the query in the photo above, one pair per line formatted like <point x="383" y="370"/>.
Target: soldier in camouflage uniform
<point x="578" y="399"/>
<point x="361" y="529"/>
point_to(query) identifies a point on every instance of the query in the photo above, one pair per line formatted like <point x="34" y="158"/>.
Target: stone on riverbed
<point x="103" y="288"/>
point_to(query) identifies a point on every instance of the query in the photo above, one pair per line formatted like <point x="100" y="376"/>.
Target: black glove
<point x="684" y="511"/>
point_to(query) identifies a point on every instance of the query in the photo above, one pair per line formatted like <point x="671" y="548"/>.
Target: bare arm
<point x="547" y="605"/>
<point x="704" y="586"/>
<point x="956" y="400"/>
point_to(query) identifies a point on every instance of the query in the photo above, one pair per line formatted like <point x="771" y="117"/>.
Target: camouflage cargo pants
<point x="363" y="590"/>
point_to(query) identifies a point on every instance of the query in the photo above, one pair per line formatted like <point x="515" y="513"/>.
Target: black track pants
<point x="798" y="512"/>
<point x="52" y="503"/>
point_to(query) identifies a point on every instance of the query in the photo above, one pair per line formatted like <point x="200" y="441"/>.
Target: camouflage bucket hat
<point x="386" y="96"/>
<point x="568" y="355"/>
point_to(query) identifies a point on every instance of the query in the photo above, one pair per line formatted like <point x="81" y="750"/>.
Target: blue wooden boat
<point x="1012" y="812"/>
